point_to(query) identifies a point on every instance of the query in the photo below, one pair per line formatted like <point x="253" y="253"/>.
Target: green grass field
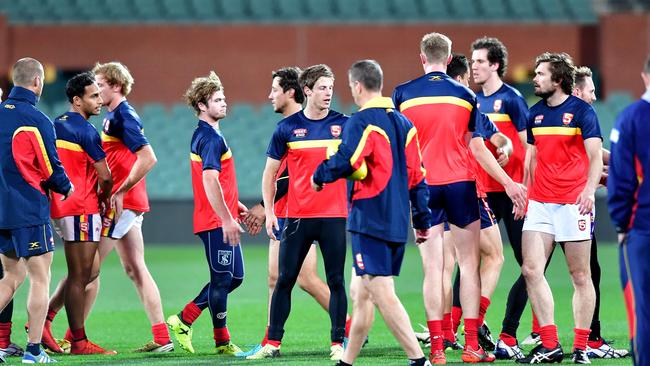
<point x="118" y="320"/>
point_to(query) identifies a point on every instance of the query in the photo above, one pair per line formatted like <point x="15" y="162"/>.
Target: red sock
<point x="548" y="333"/>
<point x="221" y="335"/>
<point x="435" y="334"/>
<point x="536" y="327"/>
<point x="51" y="313"/>
<point x="266" y="337"/>
<point x="5" y="334"/>
<point x="78" y="334"/>
<point x="447" y="334"/>
<point x="337" y="344"/>
<point x="456" y="314"/>
<point x="509" y="340"/>
<point x="485" y="303"/>
<point x="348" y="322"/>
<point x="190" y="313"/>
<point x="471" y="333"/>
<point x="596" y="343"/>
<point x="68" y="335"/>
<point x="160" y="333"/>
<point x="580" y="338"/>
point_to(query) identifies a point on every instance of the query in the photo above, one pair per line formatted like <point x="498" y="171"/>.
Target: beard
<point x="544" y="94"/>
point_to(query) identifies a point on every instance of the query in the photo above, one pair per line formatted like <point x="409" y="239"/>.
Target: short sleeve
<point x="278" y="144"/>
<point x="397" y="100"/>
<point x="588" y="124"/>
<point x="133" y="133"/>
<point x="486" y="127"/>
<point x="529" y="128"/>
<point x="474" y="117"/>
<point x="92" y="144"/>
<point x="518" y="112"/>
<point x="210" y="150"/>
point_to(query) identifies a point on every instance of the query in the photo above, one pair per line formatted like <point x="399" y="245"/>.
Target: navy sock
<point x="417" y="362"/>
<point x="34" y="348"/>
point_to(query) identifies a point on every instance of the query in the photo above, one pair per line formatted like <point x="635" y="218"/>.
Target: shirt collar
<point x="378" y="102"/>
<point x="203" y="123"/>
<point x="20" y="93"/>
<point x="646" y="96"/>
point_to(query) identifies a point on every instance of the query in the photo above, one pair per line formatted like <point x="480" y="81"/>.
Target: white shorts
<point x="561" y="220"/>
<point x="117" y="230"/>
<point x="78" y="228"/>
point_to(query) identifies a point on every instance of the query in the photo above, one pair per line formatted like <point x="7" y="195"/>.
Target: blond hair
<point x="582" y="73"/>
<point x="201" y="90"/>
<point x="115" y="73"/>
<point x="436" y="47"/>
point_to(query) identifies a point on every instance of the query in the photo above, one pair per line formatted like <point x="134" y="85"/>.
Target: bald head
<point x="25" y="72"/>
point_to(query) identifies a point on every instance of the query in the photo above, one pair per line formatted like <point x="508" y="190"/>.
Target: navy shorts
<point x="454" y="202"/>
<point x="27" y="241"/>
<point x="222" y="258"/>
<point x="376" y="257"/>
<point x="486" y="215"/>
<point x="281" y="223"/>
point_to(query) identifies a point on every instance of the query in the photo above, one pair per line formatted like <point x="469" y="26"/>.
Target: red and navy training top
<point x="79" y="147"/>
<point x="209" y="150"/>
<point x="305" y="142"/>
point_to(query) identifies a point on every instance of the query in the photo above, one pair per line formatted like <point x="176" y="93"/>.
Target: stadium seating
<point x="468" y="10"/>
<point x="524" y="10"/>
<point x="295" y="11"/>
<point x="436" y="10"/>
<point x="555" y="10"/>
<point x="495" y="10"/>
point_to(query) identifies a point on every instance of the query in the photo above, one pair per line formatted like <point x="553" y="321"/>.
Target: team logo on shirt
<point x="539" y="118"/>
<point x="582" y="225"/>
<point x="567" y="118"/>
<point x="224" y="257"/>
<point x="300" y="132"/>
<point x="359" y="261"/>
<point x="34" y="245"/>
<point x="497" y="105"/>
<point x="435" y="78"/>
<point x="10" y="106"/>
<point x="335" y="130"/>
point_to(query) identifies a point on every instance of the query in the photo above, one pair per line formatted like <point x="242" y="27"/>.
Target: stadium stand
<point x="493" y="9"/>
<point x="294" y="11"/>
